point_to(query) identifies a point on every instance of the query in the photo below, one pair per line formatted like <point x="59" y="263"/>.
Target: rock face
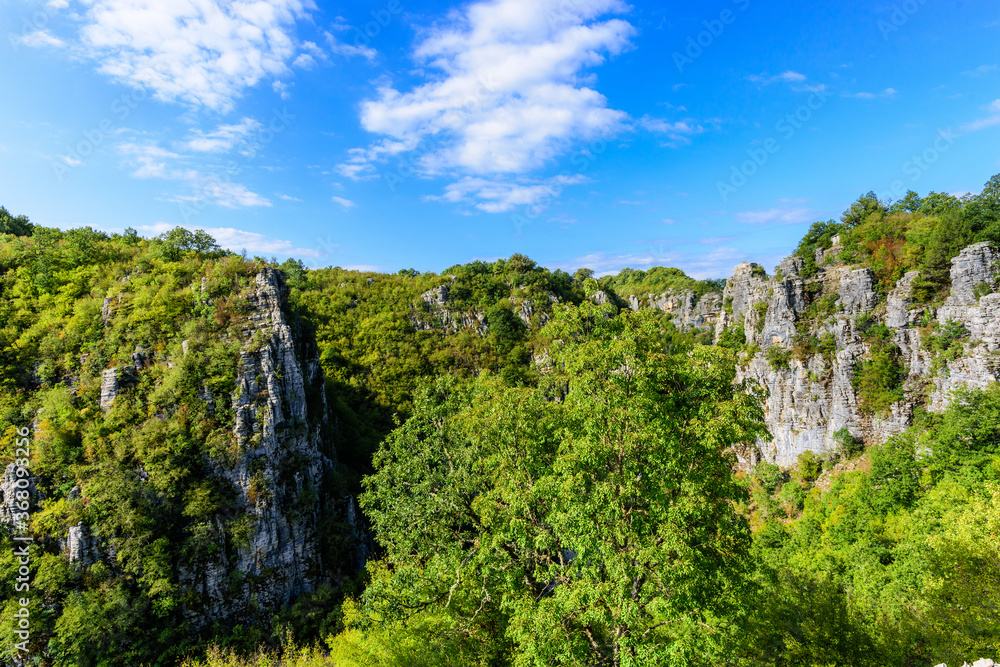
<point x="80" y="546"/>
<point x="279" y="407"/>
<point x="689" y="312"/>
<point x="436" y="315"/>
<point x="8" y="493"/>
<point x="109" y="388"/>
<point x="812" y="397"/>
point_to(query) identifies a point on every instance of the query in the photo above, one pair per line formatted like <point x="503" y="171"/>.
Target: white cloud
<point x="349" y="50"/>
<point x="41" y="38"/>
<point x="289" y="198"/>
<point x="888" y="92"/>
<point x="983" y="123"/>
<point x="238" y="240"/>
<point x="70" y="161"/>
<point x="224" y="138"/>
<point x="217" y="190"/>
<point x="781" y="216"/>
<point x="201" y="52"/>
<point x="677" y="132"/>
<point x="505" y="94"/>
<point x="149" y="160"/>
<point x="982" y="70"/>
<point x="501" y="196"/>
<point x="784" y="77"/>
<point x="346" y="203"/>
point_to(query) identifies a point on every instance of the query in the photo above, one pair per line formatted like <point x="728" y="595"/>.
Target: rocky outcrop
<point x="9" y="488"/>
<point x="810" y="391"/>
<point x="687" y="309"/>
<point x="80" y="546"/>
<point x="436" y="315"/>
<point x="271" y="544"/>
<point x="857" y="292"/>
<point x="109" y="388"/>
<point x="113" y="380"/>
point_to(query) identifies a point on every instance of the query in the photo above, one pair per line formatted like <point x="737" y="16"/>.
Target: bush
<point x="809" y="467"/>
<point x="879" y="380"/>
<point x="778" y="357"/>
<point x="733" y="337"/>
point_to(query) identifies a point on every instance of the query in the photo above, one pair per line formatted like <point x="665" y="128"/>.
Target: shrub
<point x="778" y="357"/>
<point x="733" y="337"/>
<point x="809" y="467"/>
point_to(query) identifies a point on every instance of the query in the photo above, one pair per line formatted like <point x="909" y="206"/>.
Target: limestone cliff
<point x="688" y="311"/>
<point x="811" y="395"/>
<point x="279" y="407"/>
<point x="267" y="539"/>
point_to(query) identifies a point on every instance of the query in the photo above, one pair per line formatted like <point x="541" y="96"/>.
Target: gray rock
<point x="440" y="317"/>
<point x="857" y="292"/>
<point x="975" y="266"/>
<point x="814" y="398"/>
<point x="109" y="388"/>
<point x="9" y="488"/>
<point x="280" y="461"/>
<point x="106" y="310"/>
<point x="600" y="297"/>
<point x="898" y="314"/>
<point x="80" y="546"/>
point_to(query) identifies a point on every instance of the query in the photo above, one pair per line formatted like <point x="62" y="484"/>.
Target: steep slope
<point x="183" y="474"/>
<point x="814" y="343"/>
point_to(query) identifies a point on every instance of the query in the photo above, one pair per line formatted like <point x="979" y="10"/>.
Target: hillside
<point x="501" y="464"/>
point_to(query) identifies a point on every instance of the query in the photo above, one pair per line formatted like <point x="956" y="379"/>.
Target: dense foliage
<point x="549" y="481"/>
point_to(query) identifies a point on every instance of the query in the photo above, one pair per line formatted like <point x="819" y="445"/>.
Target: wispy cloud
<point x="348" y="50"/>
<point x="203" y="52"/>
<point x="992" y="120"/>
<point x="796" y="81"/>
<point x="346" y="203"/>
<point x="716" y="263"/>
<point x="500" y="196"/>
<point x="41" y="38"/>
<point x="224" y="138"/>
<point x="784" y="77"/>
<point x="676" y="133"/>
<point x="149" y="160"/>
<point x="776" y="216"/>
<point x="982" y="70"/>
<point x="888" y="92"/>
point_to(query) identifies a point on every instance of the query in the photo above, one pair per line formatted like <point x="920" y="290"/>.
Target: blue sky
<point x="403" y="133"/>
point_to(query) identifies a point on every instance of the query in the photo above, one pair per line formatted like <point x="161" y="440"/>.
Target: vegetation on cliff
<point x="550" y="477"/>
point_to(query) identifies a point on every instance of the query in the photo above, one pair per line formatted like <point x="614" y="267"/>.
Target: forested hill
<point x="537" y="468"/>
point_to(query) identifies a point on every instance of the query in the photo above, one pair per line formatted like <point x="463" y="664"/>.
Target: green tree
<point x="597" y="528"/>
<point x="18" y="226"/>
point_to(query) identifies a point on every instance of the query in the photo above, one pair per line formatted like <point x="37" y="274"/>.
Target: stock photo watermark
<point x="216" y="184"/>
<point x="410" y="165"/>
<point x="758" y="156"/>
<point x="918" y="165"/>
<point x="20" y="485"/>
<point x="582" y="160"/>
<point x="699" y="43"/>
<point x="899" y="16"/>
<point x="76" y="154"/>
<point x="382" y="19"/>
